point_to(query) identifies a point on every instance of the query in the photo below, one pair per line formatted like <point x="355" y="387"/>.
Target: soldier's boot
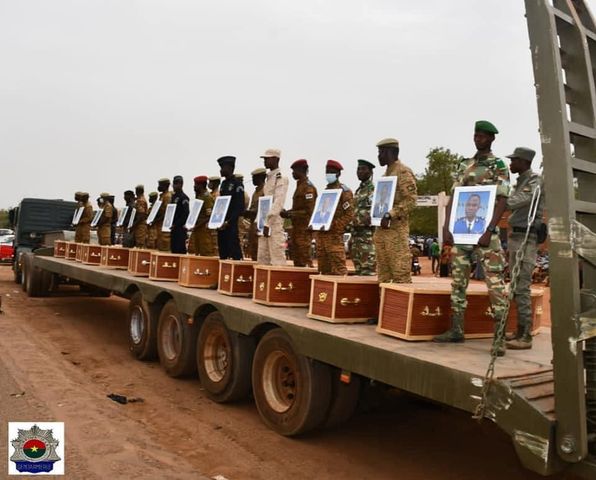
<point x="517" y="334"/>
<point x="523" y="342"/>
<point x="455" y="334"/>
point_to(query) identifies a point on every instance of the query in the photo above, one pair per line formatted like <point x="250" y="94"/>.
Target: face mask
<point x="331" y="178"/>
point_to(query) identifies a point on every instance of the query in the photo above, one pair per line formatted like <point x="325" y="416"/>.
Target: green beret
<point x="365" y="163"/>
<point x="388" y="142"/>
<point x="153" y="194"/>
<point x="485" y="126"/>
<point x="163" y="180"/>
<point x="142" y="187"/>
<point x="523" y="153"/>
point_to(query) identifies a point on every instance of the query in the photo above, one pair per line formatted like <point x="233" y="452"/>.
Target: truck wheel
<point x="142" y="328"/>
<point x="292" y="392"/>
<point x="38" y="281"/>
<point x="23" y="275"/>
<point x="224" y="359"/>
<point x="344" y="398"/>
<point x="176" y="341"/>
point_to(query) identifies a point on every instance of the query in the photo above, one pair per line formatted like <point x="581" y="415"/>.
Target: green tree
<point x="4" y="223"/>
<point x="437" y="177"/>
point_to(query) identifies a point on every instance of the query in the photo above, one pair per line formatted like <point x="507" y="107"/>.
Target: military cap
<point x="104" y="195"/>
<point x="78" y="194"/>
<point x="485" y="126"/>
<point x="84" y="194"/>
<point x="523" y="153"/>
<point x="272" y="152"/>
<point x="178" y="178"/>
<point x="201" y="179"/>
<point x="334" y="164"/>
<point x="365" y="163"/>
<point x="388" y="142"/>
<point x="129" y="192"/>
<point x="140" y="186"/>
<point x="153" y="194"/>
<point x="163" y="180"/>
<point x="214" y="178"/>
<point x="227" y="160"/>
<point x="258" y="171"/>
<point x="302" y="163"/>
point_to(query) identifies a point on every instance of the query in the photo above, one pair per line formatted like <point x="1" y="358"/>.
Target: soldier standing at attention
<point x="178" y="244"/>
<point x="139" y="225"/>
<point x="271" y="244"/>
<point x="83" y="229"/>
<point x="519" y="203"/>
<point x="303" y="203"/>
<point x="214" y="183"/>
<point x="104" y="225"/>
<point x="151" y="241"/>
<point x="115" y="212"/>
<point x="227" y="234"/>
<point x="258" y="180"/>
<point x="392" y="247"/>
<point x="163" y="238"/>
<point x="243" y="225"/>
<point x="127" y="237"/>
<point x="201" y="240"/>
<point x="363" y="247"/>
<point x="482" y="169"/>
<point x="331" y="256"/>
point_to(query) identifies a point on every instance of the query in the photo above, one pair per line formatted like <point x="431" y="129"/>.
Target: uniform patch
<point x="239" y="189"/>
<point x="346" y="205"/>
<point x="308" y="196"/>
<point x="501" y="164"/>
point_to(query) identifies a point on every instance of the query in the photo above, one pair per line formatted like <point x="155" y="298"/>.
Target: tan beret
<point x="388" y="142"/>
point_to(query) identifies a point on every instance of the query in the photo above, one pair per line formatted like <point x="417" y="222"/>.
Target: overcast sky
<point x="102" y="95"/>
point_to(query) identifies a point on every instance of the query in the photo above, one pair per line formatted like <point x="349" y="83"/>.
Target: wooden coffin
<point x="236" y="277"/>
<point x="344" y="299"/>
<point x="91" y="254"/>
<point x="419" y="311"/>
<point x="199" y="272"/>
<point x="70" y="252"/>
<point x="139" y="261"/>
<point x="282" y="286"/>
<point x="79" y="253"/>
<point x="60" y="248"/>
<point x="164" y="266"/>
<point x="114" y="257"/>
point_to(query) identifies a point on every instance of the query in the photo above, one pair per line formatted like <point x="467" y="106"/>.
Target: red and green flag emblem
<point x="34" y="448"/>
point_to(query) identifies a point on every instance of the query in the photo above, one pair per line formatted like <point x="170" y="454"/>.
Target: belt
<point x="522" y="229"/>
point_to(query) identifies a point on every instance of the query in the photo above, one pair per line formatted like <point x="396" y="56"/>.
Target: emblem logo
<point x="36" y="448"/>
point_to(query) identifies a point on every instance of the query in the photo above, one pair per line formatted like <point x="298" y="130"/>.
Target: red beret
<point x="334" y="164"/>
<point x="299" y="163"/>
<point x="201" y="179"/>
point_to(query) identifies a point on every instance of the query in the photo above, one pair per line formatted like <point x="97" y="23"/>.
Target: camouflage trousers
<point x="83" y="233"/>
<point x="140" y="234"/>
<point x="331" y="256"/>
<point x="363" y="251"/>
<point x="201" y="242"/>
<point x="104" y="234"/>
<point x="392" y="249"/>
<point x="162" y="241"/>
<point x="300" y="245"/>
<point x="151" y="239"/>
<point x="522" y="295"/>
<point x="493" y="262"/>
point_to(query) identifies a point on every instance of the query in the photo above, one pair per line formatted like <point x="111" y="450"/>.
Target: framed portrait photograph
<point x="219" y="212"/>
<point x="195" y="208"/>
<point x="96" y="218"/>
<point x="325" y="207"/>
<point x="382" y="199"/>
<point x="77" y="215"/>
<point x="153" y="213"/>
<point x="131" y="220"/>
<point x="471" y="212"/>
<point x="169" y="217"/>
<point x="262" y="212"/>
<point x="121" y="216"/>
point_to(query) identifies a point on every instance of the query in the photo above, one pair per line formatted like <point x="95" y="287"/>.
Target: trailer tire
<point x="344" y="398"/>
<point x="224" y="360"/>
<point x="292" y="392"/>
<point x="23" y="274"/>
<point x="142" y="328"/>
<point x="38" y="281"/>
<point x="176" y="341"/>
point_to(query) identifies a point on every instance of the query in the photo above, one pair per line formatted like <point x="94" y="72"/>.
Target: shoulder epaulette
<point x="278" y="175"/>
<point x="345" y="188"/>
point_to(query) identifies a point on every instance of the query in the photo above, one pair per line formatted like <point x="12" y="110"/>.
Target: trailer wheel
<point x="292" y="392"/>
<point x="38" y="281"/>
<point x="23" y="274"/>
<point x="344" y="398"/>
<point x="176" y="341"/>
<point x="142" y="328"/>
<point x="224" y="359"/>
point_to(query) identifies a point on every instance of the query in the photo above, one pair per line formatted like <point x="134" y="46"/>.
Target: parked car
<point x="6" y="248"/>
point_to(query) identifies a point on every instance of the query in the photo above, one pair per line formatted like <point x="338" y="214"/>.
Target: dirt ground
<point x="66" y="353"/>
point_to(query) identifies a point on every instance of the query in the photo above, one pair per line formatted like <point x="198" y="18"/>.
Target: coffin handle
<point x="346" y="301"/>
<point x="145" y="262"/>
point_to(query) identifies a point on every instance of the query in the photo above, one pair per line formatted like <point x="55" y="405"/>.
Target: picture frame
<point x="168" y="220"/>
<point x="325" y="207"/>
<point x="219" y="212"/>
<point x="96" y="217"/>
<point x="471" y="211"/>
<point x="383" y="199"/>
<point x="131" y="220"/>
<point x="263" y="209"/>
<point x="196" y="206"/>
<point x="76" y="218"/>
<point x="153" y="213"/>
<point x="121" y="216"/>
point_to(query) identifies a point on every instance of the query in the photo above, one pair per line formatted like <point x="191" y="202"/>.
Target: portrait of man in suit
<point x="382" y="205"/>
<point x="471" y="222"/>
<point x="324" y="210"/>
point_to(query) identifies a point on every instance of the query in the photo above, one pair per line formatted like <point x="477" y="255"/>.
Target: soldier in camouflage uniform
<point x="303" y="203"/>
<point x="482" y="169"/>
<point x="363" y="247"/>
<point x="201" y="239"/>
<point x="519" y="203"/>
<point x="331" y="256"/>
<point x="151" y="239"/>
<point x="139" y="224"/>
<point x="258" y="180"/>
<point x="104" y="225"/>
<point x="243" y="223"/>
<point x="162" y="241"/>
<point x="83" y="229"/>
<point x="213" y="185"/>
<point x="394" y="263"/>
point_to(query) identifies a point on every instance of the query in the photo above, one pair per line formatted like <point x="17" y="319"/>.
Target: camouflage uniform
<point x="331" y="256"/>
<point x="104" y="225"/>
<point x="83" y="229"/>
<point x="253" y="238"/>
<point x="363" y="247"/>
<point x="201" y="239"/>
<point x="303" y="203"/>
<point x="394" y="263"/>
<point x="272" y="248"/>
<point x="480" y="170"/>
<point x="139" y="228"/>
<point x="163" y="238"/>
